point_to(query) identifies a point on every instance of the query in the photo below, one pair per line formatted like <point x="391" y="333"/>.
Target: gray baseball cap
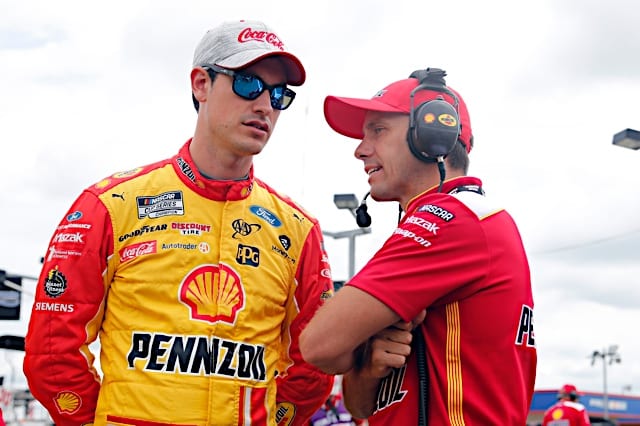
<point x="239" y="44"/>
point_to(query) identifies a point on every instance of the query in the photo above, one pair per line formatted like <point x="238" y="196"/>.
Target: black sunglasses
<point x="249" y="87"/>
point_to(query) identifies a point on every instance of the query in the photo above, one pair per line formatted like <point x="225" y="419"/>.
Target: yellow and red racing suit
<point x="197" y="290"/>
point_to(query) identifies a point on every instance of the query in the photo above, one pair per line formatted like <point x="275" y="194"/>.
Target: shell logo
<point x="67" y="402"/>
<point x="447" y="120"/>
<point x="103" y="183"/>
<point x="429" y="118"/>
<point x="213" y="293"/>
<point x="557" y="414"/>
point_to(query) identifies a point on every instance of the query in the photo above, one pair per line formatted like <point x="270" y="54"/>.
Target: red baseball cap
<point x="346" y="115"/>
<point x="569" y="388"/>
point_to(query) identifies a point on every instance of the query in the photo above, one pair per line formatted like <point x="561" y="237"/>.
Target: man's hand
<point x="389" y="349"/>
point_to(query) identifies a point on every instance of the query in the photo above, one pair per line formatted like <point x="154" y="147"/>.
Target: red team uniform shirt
<point x="566" y="413"/>
<point x="460" y="256"/>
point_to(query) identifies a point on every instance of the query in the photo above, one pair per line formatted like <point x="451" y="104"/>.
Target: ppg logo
<point x="247" y="255"/>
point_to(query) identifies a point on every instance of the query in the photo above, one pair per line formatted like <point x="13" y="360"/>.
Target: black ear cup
<point x="434" y="126"/>
<point x="436" y="129"/>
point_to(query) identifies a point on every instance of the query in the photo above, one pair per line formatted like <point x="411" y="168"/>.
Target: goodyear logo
<point x="145" y="229"/>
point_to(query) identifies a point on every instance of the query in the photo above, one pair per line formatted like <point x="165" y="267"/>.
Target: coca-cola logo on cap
<point x="250" y="35"/>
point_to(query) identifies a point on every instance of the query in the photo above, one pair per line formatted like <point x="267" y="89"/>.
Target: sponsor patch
<point x="283" y="253"/>
<point x="412" y="235"/>
<point x="437" y="211"/>
<point x="186" y="170"/>
<point x="103" y="183"/>
<point x="207" y="300"/>
<point x="326" y="295"/>
<point x="74" y="226"/>
<point x="197" y="355"/>
<point x="135" y="250"/>
<point x="423" y="223"/>
<point x="240" y="227"/>
<point x="525" y="335"/>
<point x="248" y="255"/>
<point x="285" y="413"/>
<point x="285" y="241"/>
<point x="142" y="230"/>
<point x="266" y="215"/>
<point x="74" y="237"/>
<point x="55" y="284"/>
<point x="190" y="228"/>
<point x="179" y="246"/>
<point x="447" y="120"/>
<point x="67" y="402"/>
<point x="54" y="307"/>
<point x="61" y="254"/>
<point x="429" y="118"/>
<point x="390" y="391"/>
<point x="127" y="173"/>
<point x="166" y="204"/>
<point x="74" y="216"/>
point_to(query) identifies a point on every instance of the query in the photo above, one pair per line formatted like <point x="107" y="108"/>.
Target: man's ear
<point x="199" y="79"/>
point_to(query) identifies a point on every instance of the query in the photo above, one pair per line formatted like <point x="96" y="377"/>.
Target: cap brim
<point x="346" y="115"/>
<point x="296" y="74"/>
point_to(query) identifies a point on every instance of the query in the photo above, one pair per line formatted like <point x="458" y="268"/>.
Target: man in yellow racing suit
<point x="197" y="288"/>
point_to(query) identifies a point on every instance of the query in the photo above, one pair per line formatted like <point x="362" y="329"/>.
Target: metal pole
<point x="605" y="398"/>
<point x="351" y="235"/>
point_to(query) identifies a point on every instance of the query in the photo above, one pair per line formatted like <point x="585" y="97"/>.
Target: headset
<point x="434" y="126"/>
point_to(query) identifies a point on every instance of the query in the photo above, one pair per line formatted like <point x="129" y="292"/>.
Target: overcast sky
<point x="91" y="88"/>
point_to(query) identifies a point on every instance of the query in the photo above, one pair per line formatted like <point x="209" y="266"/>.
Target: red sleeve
<point x="67" y="313"/>
<point x="304" y="388"/>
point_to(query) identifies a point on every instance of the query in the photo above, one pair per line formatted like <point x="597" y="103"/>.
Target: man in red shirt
<point x="567" y="411"/>
<point x="455" y="253"/>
